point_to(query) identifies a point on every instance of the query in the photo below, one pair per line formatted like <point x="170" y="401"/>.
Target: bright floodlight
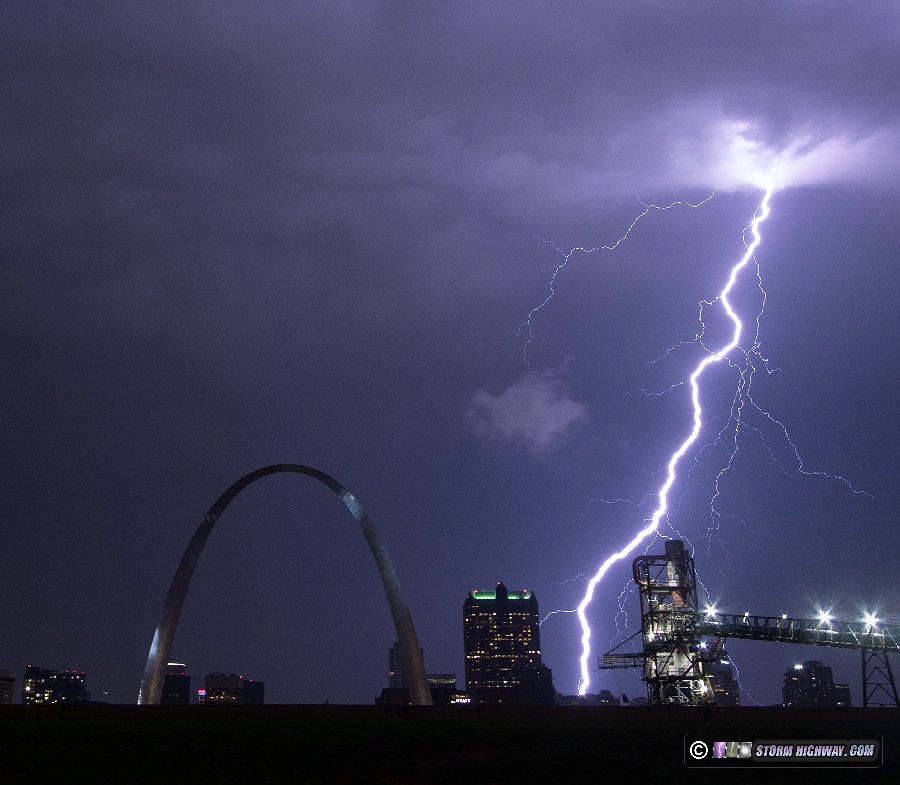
<point x="870" y="620"/>
<point x="798" y="667"/>
<point x="824" y="617"/>
<point x="711" y="610"/>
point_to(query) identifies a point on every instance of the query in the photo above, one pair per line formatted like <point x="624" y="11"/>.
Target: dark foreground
<point x="415" y="744"/>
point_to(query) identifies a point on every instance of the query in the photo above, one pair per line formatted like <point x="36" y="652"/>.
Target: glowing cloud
<point x="734" y="154"/>
<point x="535" y="410"/>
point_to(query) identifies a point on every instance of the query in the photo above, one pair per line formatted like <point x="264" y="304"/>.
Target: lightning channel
<point x="526" y="329"/>
<point x="711" y="358"/>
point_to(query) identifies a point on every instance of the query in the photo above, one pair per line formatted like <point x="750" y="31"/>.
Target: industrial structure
<point x="673" y="670"/>
<point x="680" y="643"/>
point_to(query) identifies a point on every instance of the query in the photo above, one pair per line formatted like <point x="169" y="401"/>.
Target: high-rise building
<point x="726" y="691"/>
<point x="812" y="684"/>
<point x="6" y="688"/>
<point x="177" y="686"/>
<point x="503" y="648"/>
<point x="44" y="686"/>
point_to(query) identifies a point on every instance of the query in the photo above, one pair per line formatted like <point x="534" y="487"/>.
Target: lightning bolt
<point x="712" y="358"/>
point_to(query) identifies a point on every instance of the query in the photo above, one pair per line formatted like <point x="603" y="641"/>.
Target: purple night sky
<point x="236" y="235"/>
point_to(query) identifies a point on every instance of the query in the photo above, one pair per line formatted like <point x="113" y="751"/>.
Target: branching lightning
<point x="662" y="494"/>
<point x="526" y="329"/>
<point x="743" y="354"/>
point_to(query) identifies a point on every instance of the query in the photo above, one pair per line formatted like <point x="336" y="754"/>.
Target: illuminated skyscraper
<point x="503" y="648"/>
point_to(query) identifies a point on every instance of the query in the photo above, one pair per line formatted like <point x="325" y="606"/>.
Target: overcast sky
<point x="235" y="235"/>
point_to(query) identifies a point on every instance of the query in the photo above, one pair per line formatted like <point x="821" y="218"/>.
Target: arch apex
<point x="164" y="636"/>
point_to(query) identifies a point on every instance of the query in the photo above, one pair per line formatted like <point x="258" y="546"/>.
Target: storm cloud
<point x="237" y="234"/>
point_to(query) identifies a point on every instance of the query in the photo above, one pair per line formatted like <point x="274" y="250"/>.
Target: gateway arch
<point x="160" y="648"/>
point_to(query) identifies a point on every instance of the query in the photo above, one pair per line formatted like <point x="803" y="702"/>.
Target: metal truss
<point x="812" y="632"/>
<point x="879" y="688"/>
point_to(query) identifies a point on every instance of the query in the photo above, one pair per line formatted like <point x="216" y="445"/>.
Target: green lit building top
<point x="503" y="648"/>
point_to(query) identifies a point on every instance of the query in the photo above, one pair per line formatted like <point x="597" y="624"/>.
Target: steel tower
<point x="673" y="669"/>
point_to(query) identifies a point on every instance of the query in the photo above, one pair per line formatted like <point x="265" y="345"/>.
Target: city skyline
<point x="488" y="631"/>
<point x="238" y="236"/>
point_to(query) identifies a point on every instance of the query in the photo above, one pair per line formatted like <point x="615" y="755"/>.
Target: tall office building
<point x="812" y="684"/>
<point x="44" y="686"/>
<point x="503" y="648"/>
<point x="177" y="686"/>
<point x="726" y="691"/>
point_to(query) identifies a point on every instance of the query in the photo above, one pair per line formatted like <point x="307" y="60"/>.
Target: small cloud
<point x="535" y="410"/>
